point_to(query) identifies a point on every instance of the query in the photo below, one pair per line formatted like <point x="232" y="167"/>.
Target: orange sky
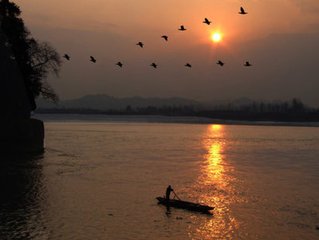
<point x="110" y="28"/>
<point x="129" y="17"/>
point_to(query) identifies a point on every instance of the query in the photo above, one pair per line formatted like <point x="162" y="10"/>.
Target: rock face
<point x="14" y="101"/>
<point x="17" y="131"/>
<point x="22" y="136"/>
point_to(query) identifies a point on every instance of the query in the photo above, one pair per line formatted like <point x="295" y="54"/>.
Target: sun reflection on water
<point x="215" y="188"/>
<point x="213" y="167"/>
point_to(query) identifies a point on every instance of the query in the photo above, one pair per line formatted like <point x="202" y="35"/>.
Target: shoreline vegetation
<point x="292" y="113"/>
<point x="81" y="117"/>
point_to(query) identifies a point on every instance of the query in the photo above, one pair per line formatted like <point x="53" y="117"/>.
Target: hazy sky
<point x="279" y="37"/>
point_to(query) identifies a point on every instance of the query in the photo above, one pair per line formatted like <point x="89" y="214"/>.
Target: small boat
<point x="176" y="203"/>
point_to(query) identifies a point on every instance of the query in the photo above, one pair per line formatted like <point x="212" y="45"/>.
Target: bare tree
<point x="36" y="60"/>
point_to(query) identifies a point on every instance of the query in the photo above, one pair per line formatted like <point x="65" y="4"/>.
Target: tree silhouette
<point x="297" y="105"/>
<point x="35" y="59"/>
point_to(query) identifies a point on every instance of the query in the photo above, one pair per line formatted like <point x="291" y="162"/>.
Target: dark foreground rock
<point x="22" y="136"/>
<point x="18" y="132"/>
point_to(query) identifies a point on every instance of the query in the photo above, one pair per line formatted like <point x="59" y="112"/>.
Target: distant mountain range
<point x="105" y="103"/>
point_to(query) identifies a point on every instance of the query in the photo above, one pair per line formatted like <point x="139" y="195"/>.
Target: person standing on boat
<point x="169" y="189"/>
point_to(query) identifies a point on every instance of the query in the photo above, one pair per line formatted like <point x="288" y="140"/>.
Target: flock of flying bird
<point x="165" y="37"/>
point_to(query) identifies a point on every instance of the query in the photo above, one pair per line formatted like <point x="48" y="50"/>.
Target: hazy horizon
<point x="212" y="102"/>
<point x="279" y="38"/>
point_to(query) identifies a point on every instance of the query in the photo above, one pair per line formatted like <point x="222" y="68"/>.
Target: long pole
<point x="176" y="195"/>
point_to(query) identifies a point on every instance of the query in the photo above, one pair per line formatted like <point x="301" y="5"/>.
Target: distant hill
<point x="105" y="103"/>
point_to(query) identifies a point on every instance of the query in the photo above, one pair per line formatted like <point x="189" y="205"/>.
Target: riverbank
<point x="162" y="119"/>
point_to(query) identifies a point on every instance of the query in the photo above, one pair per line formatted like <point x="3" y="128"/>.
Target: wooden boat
<point x="176" y="203"/>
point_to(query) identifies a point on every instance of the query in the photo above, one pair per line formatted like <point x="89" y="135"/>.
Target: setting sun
<point x="216" y="37"/>
<point x="216" y="127"/>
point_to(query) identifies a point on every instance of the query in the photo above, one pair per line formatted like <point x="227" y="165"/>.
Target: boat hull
<point x="184" y="205"/>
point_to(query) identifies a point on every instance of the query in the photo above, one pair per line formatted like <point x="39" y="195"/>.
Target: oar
<point x="176" y="195"/>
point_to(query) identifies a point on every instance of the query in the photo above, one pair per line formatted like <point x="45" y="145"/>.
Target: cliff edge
<point x="18" y="132"/>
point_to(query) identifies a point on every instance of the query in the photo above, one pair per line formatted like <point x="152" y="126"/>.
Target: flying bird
<point x="188" y="65"/>
<point x="67" y="57"/>
<point x="242" y="11"/>
<point x="154" y="65"/>
<point x="140" y="44"/>
<point x="247" y="64"/>
<point x="165" y="37"/>
<point x="182" y="28"/>
<point x="119" y="64"/>
<point x="207" y="21"/>
<point x="92" y="59"/>
<point x="220" y="63"/>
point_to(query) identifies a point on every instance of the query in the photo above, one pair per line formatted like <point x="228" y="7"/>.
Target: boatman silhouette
<point x="169" y="189"/>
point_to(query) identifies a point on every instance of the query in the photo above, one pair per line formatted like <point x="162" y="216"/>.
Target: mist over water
<point x="99" y="180"/>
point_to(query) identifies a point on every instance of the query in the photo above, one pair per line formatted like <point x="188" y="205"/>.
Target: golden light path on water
<point x="215" y="184"/>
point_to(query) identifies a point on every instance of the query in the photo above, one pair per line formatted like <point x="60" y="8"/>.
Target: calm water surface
<point x="99" y="180"/>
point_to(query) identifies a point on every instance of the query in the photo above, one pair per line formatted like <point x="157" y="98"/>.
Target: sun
<point x="216" y="37"/>
<point x="216" y="127"/>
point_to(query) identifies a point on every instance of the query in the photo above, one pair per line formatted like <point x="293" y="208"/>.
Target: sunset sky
<point x="279" y="37"/>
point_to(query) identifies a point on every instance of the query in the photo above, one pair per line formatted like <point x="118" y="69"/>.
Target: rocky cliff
<point x="18" y="132"/>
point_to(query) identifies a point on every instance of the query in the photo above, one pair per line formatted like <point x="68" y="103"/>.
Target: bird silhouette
<point x="242" y="11"/>
<point x="67" y="57"/>
<point x="165" y="37"/>
<point x="182" y="28"/>
<point x="140" y="44"/>
<point x="188" y="65"/>
<point x="119" y="64"/>
<point x="154" y="65"/>
<point x="247" y="64"/>
<point x="220" y="63"/>
<point x="206" y="21"/>
<point x="92" y="59"/>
